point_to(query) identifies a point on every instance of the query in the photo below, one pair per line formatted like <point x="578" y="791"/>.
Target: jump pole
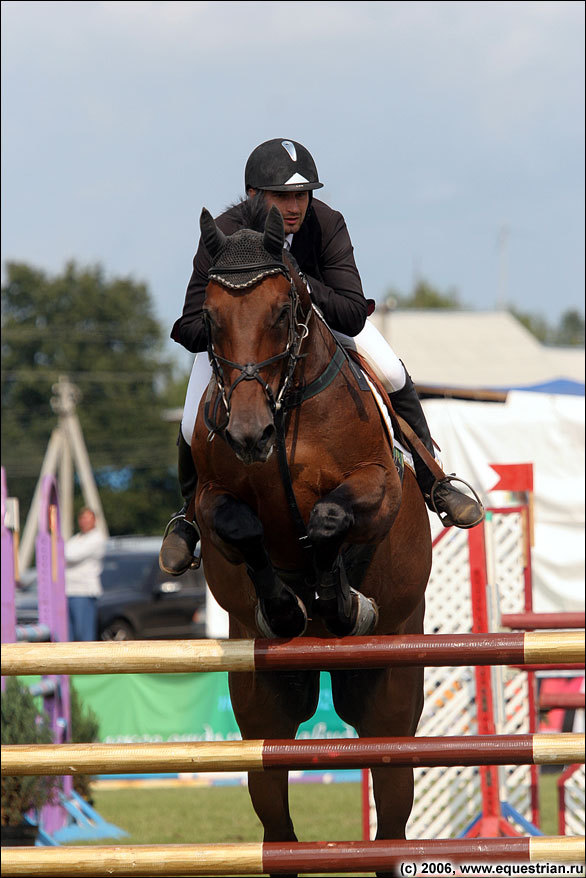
<point x="302" y="653"/>
<point x="276" y="859"/>
<point x="535" y="621"/>
<point x="301" y="755"/>
<point x="561" y="701"/>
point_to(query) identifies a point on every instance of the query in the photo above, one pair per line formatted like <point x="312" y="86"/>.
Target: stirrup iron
<point x="181" y="516"/>
<point x="452" y="477"/>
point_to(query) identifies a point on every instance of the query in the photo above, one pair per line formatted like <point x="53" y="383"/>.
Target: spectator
<point x="84" y="555"/>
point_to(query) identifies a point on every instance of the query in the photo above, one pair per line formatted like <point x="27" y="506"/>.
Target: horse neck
<point x="319" y="346"/>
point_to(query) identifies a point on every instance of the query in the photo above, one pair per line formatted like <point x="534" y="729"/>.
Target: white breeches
<point x="369" y="343"/>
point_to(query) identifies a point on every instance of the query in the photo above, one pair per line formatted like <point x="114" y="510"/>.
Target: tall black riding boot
<point x="452" y="506"/>
<point x="181" y="536"/>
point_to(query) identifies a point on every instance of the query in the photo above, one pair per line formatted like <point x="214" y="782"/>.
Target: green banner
<point x="136" y="708"/>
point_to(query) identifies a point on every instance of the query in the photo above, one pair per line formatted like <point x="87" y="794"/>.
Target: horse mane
<point x="253" y="212"/>
<point x="300" y="286"/>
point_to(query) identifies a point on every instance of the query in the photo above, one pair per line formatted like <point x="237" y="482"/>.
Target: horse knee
<point x="329" y="522"/>
<point x="238" y="527"/>
<point x="235" y="522"/>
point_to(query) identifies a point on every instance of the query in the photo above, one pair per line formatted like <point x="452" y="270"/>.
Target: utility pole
<point x="503" y="261"/>
<point x="66" y="450"/>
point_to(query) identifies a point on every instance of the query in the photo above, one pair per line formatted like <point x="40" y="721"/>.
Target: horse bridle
<point x="297" y="332"/>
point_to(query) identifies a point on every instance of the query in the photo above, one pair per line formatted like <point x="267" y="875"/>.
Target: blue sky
<point x="449" y="134"/>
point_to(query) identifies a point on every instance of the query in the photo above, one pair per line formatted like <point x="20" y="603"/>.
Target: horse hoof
<point x="282" y="630"/>
<point x="366" y="615"/>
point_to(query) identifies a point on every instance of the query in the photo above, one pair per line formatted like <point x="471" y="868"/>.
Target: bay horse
<point x="305" y="524"/>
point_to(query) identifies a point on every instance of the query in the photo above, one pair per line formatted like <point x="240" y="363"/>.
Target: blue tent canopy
<point x="558" y="386"/>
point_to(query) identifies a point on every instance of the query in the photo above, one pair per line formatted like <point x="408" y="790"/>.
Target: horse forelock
<point x="251" y="213"/>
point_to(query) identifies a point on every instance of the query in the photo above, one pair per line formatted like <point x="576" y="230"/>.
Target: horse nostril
<point x="251" y="446"/>
<point x="231" y="439"/>
<point x="267" y="434"/>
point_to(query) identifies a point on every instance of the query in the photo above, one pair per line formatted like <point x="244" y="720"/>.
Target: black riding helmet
<point x="281" y="166"/>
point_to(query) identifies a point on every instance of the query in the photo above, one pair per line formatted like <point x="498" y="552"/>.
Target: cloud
<point x="432" y="123"/>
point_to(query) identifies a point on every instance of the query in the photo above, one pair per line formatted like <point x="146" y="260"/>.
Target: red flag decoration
<point x="513" y="476"/>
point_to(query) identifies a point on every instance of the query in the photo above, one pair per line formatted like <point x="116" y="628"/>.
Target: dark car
<point x="139" y="602"/>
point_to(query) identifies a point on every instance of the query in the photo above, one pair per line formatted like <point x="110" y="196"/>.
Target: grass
<point x="224" y="814"/>
<point x="199" y="815"/>
<point x="548" y="802"/>
<point x="206" y="815"/>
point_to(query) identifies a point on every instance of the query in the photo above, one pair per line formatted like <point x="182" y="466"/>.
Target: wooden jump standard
<point x="261" y="755"/>
<point x="276" y="858"/>
<point x="302" y="653"/>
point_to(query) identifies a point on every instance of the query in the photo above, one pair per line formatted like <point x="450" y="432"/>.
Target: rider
<point x="283" y="173"/>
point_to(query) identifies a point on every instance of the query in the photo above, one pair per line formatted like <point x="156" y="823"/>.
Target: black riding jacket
<point x="324" y="253"/>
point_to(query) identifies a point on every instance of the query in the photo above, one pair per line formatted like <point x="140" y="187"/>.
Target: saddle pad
<point x="401" y="453"/>
<point x="396" y="445"/>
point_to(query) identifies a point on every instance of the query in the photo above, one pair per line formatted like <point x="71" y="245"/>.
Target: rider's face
<point x="292" y="206"/>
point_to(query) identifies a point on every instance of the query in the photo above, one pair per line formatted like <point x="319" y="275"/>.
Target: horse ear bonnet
<point x="245" y="257"/>
<point x="274" y="236"/>
<point x="212" y="236"/>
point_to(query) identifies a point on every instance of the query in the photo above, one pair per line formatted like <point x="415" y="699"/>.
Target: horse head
<point x="255" y="311"/>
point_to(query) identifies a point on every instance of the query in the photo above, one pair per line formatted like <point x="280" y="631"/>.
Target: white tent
<point x="474" y="349"/>
<point x="538" y="428"/>
<point x="483" y="351"/>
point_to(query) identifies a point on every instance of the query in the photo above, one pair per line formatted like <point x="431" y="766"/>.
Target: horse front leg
<point x="385" y="703"/>
<point x="361" y="509"/>
<point x="273" y="705"/>
<point x="238" y="534"/>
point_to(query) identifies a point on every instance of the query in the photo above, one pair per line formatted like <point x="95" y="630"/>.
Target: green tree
<point x="424" y="296"/>
<point x="535" y="323"/>
<point x="101" y="333"/>
<point x="570" y="330"/>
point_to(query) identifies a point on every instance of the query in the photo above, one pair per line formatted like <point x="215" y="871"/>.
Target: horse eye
<point x="283" y="317"/>
<point x="207" y="317"/>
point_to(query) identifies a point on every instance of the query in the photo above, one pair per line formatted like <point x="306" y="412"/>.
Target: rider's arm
<point x="189" y="329"/>
<point x="332" y="274"/>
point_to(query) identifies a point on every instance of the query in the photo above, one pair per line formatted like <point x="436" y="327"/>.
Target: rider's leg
<point x="457" y="508"/>
<point x="181" y="536"/>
